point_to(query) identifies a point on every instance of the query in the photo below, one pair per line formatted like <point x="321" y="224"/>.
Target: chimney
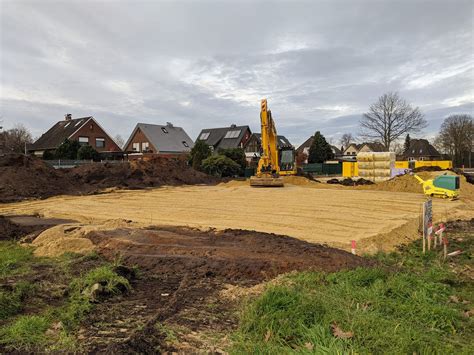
<point x="67" y="117"/>
<point x="169" y="124"/>
<point x="233" y="125"/>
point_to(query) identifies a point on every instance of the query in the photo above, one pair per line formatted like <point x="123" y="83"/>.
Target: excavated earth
<point x="23" y="177"/>
<point x="188" y="280"/>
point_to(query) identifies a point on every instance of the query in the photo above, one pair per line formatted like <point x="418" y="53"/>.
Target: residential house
<point x="421" y="149"/>
<point x="225" y="137"/>
<point x="352" y="149"/>
<point x="253" y="147"/>
<point x="151" y="139"/>
<point x="372" y="147"/>
<point x="85" y="130"/>
<point x="304" y="149"/>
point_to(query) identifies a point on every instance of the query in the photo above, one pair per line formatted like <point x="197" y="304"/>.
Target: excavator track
<point x="256" y="181"/>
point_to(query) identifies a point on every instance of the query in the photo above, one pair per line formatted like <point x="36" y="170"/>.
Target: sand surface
<point x="378" y="219"/>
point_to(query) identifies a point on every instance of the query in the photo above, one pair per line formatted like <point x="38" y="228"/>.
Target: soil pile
<point x="157" y="171"/>
<point x="29" y="177"/>
<point x="25" y="177"/>
<point x="408" y="183"/>
<point x="231" y="254"/>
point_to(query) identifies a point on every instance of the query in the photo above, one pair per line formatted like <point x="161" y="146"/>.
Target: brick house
<point x="85" y="130"/>
<point x="152" y="139"/>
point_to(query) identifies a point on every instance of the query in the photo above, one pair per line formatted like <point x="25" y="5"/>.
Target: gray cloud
<point x="203" y="64"/>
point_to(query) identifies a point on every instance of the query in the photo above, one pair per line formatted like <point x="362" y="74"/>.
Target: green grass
<point x="401" y="306"/>
<point x="13" y="259"/>
<point x="25" y="332"/>
<point x="11" y="302"/>
<point x="28" y="332"/>
<point x="79" y="303"/>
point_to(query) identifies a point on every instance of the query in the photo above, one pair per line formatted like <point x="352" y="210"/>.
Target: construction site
<point x="199" y="243"/>
<point x="236" y="177"/>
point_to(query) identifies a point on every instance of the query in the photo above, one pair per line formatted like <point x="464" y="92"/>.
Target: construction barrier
<point x="443" y="164"/>
<point x="323" y="169"/>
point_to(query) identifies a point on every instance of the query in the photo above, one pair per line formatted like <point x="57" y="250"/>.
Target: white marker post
<point x="445" y="247"/>
<point x="429" y="232"/>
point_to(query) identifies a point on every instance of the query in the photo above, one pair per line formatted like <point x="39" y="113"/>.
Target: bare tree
<point x="456" y="138"/>
<point x="16" y="138"/>
<point x="389" y="118"/>
<point x="346" y="139"/>
<point x="119" y="140"/>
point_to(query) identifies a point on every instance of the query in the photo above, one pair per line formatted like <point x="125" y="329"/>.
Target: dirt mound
<point x="25" y="177"/>
<point x="70" y="237"/>
<point x="408" y="183"/>
<point x="139" y="174"/>
<point x="231" y="254"/>
<point x="29" y="177"/>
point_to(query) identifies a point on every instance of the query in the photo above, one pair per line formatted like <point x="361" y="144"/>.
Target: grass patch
<point x="401" y="306"/>
<point x="11" y="302"/>
<point x="25" y="332"/>
<point x="13" y="258"/>
<point x="79" y="303"/>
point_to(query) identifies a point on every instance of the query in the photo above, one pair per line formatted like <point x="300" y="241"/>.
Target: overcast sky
<point x="202" y="64"/>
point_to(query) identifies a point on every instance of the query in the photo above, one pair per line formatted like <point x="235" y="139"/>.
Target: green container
<point x="449" y="182"/>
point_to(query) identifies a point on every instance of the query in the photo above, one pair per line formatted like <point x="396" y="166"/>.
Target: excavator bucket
<point x="266" y="181"/>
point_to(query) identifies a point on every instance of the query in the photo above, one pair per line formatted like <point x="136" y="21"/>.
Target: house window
<point x="185" y="144"/>
<point x="100" y="143"/>
<point x="164" y="130"/>
<point x="204" y="136"/>
<point x="145" y="146"/>
<point x="136" y="147"/>
<point x="83" y="140"/>
<point x="232" y="134"/>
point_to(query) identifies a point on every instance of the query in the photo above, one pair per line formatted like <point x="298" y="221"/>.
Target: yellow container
<point x="401" y="164"/>
<point x="349" y="169"/>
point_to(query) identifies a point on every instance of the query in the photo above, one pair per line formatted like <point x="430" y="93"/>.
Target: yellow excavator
<point x="273" y="162"/>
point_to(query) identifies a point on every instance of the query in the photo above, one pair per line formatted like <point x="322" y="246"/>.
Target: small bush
<point x="237" y="155"/>
<point x="87" y="152"/>
<point x="199" y="152"/>
<point x="221" y="166"/>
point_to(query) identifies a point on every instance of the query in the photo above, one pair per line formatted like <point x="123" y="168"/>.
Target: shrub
<point x="237" y="155"/>
<point x="68" y="150"/>
<point x="220" y="165"/>
<point x="87" y="152"/>
<point x="200" y="152"/>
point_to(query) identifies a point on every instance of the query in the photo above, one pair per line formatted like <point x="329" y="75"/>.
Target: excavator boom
<point x="268" y="168"/>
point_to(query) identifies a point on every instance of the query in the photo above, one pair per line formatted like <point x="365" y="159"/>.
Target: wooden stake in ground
<point x="445" y="247"/>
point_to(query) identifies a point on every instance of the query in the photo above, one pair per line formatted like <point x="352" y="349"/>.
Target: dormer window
<point x="164" y="130"/>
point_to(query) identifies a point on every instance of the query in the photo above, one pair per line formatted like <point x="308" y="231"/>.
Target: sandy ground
<point x="377" y="219"/>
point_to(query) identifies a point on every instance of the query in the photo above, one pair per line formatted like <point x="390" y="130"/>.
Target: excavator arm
<point x="268" y="162"/>
<point x="268" y="168"/>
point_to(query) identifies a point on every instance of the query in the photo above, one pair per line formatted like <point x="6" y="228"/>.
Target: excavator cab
<point x="287" y="160"/>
